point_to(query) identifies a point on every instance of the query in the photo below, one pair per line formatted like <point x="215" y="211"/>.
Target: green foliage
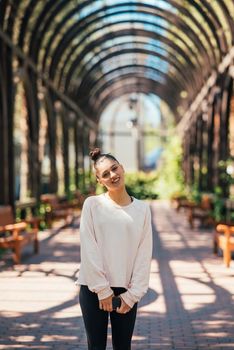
<point x="226" y="179"/>
<point x="170" y="178"/>
<point x="195" y="194"/>
<point x="2" y="251"/>
<point x="218" y="204"/>
<point x="141" y="185"/>
<point x="99" y="189"/>
<point x="164" y="182"/>
<point x="86" y="180"/>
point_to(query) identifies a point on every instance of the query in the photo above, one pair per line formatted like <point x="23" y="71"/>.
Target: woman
<point x="116" y="250"/>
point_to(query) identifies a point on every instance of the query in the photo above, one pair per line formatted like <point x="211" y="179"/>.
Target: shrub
<point x="141" y="185"/>
<point x="170" y="179"/>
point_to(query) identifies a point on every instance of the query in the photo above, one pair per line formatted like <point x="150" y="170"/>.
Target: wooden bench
<point x="78" y="199"/>
<point x="201" y="212"/>
<point x="179" y="202"/>
<point x="15" y="235"/>
<point x="57" y="209"/>
<point x="224" y="239"/>
<point x="28" y="211"/>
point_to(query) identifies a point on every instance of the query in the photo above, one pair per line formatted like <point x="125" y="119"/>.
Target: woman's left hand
<point x="124" y="308"/>
<point x="106" y="304"/>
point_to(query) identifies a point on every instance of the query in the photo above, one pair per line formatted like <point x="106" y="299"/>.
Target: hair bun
<point x="95" y="154"/>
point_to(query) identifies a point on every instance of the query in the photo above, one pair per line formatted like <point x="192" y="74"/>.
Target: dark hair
<point x="96" y="154"/>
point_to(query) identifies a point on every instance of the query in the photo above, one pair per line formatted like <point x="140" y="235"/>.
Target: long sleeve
<point x="92" y="264"/>
<point x="141" y="270"/>
<point x="116" y="247"/>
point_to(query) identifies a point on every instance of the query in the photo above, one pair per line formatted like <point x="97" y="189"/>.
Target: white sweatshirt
<point x="116" y="247"/>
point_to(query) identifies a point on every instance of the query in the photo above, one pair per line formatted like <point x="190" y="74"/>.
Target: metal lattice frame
<point x="203" y="45"/>
<point x="86" y="53"/>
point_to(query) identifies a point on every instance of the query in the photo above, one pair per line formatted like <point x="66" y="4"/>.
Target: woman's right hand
<point x="106" y="304"/>
<point x="124" y="308"/>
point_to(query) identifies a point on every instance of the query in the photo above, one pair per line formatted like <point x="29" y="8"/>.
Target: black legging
<point x="96" y="322"/>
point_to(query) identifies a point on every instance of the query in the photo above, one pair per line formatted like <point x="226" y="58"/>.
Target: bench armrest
<point x="19" y="226"/>
<point x="228" y="230"/>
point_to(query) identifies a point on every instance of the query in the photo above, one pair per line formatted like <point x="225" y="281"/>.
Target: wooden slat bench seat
<point x="14" y="235"/>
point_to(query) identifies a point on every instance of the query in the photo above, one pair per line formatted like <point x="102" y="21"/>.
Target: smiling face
<point x="110" y="174"/>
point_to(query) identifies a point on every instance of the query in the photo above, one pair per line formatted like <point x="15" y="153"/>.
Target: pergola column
<point x="224" y="134"/>
<point x="33" y="137"/>
<point x="210" y="138"/>
<point x="216" y="140"/>
<point x="65" y="150"/>
<point x="7" y="180"/>
<point x="76" y="143"/>
<point x="199" y="151"/>
<point x="52" y="140"/>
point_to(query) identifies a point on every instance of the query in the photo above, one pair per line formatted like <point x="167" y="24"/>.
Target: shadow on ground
<point x="205" y="322"/>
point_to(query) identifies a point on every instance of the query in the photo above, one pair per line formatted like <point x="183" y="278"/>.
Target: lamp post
<point x="81" y="154"/>
<point x="135" y="127"/>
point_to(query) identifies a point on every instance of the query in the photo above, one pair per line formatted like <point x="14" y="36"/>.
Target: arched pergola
<point x="77" y="56"/>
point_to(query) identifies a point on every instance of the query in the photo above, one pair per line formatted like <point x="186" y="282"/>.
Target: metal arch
<point x="73" y="73"/>
<point x="122" y="4"/>
<point x="8" y="26"/>
<point x="3" y="5"/>
<point x="95" y="102"/>
<point x="194" y="20"/>
<point x="72" y="34"/>
<point x="37" y="45"/>
<point x="32" y="3"/>
<point x="100" y="90"/>
<point x="229" y="20"/>
<point x="138" y="32"/>
<point x="121" y="84"/>
<point x="149" y="6"/>
<point x="37" y="35"/>
<point x="29" y="65"/>
<point x="86" y="84"/>
<point x="128" y="89"/>
<point x="58" y="7"/>
<point x="23" y="28"/>
<point x="54" y="66"/>
<point x="30" y="8"/>
<point x="223" y="39"/>
<point x="108" y="83"/>
<point x="76" y="97"/>
<point x="121" y="68"/>
<point x="60" y="24"/>
<point x="34" y="44"/>
<point x="63" y="67"/>
<point x="172" y="44"/>
<point x="88" y="74"/>
<point x="207" y="19"/>
<point x="142" y="85"/>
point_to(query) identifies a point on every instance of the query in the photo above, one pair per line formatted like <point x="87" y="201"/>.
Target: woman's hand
<point x="124" y="308"/>
<point x="106" y="304"/>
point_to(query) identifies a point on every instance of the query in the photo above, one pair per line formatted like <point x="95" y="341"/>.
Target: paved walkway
<point x="189" y="304"/>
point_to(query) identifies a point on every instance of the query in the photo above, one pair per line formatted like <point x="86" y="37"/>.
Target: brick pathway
<point x="189" y="304"/>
